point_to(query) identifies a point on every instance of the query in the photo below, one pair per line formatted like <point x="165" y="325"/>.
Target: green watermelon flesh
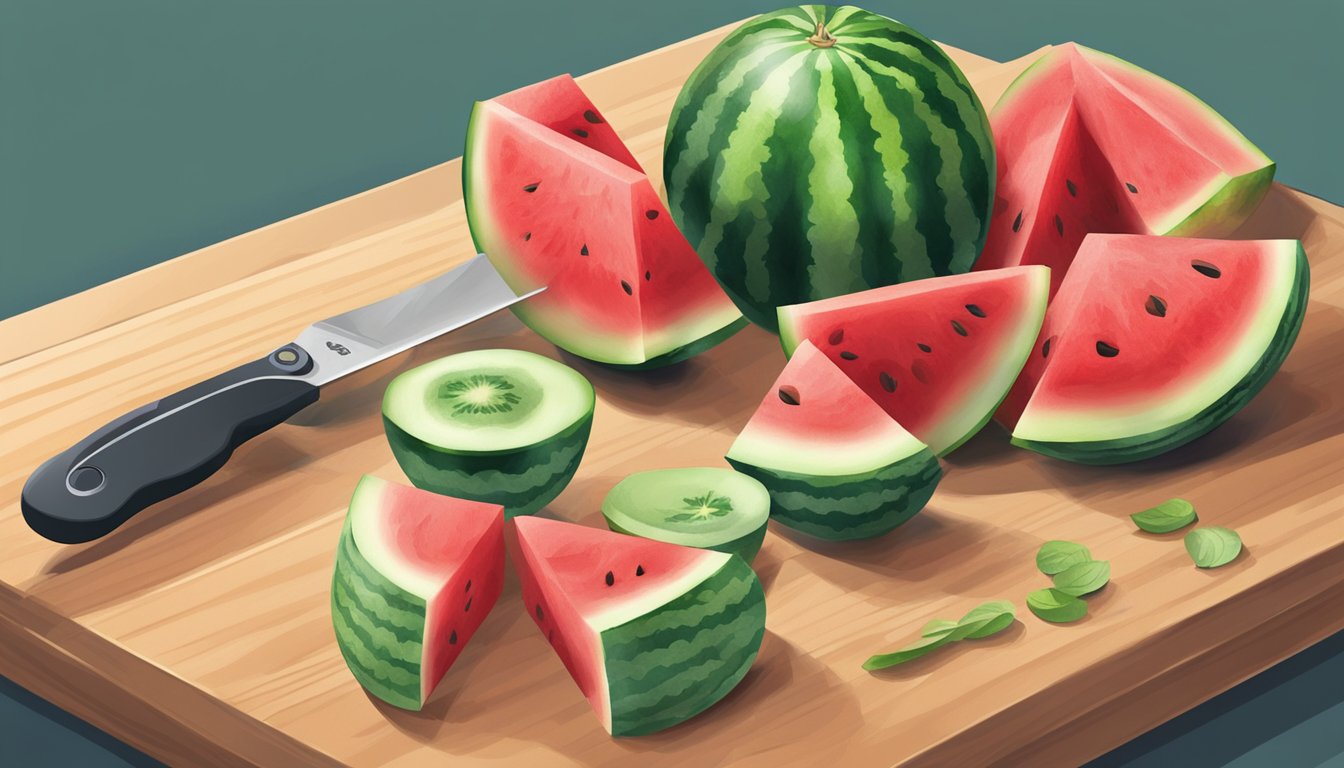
<point x="555" y="199"/>
<point x="416" y="574"/>
<point x="1090" y="143"/>
<point x="652" y="633"/>
<point x="938" y="355"/>
<point x="1154" y="341"/>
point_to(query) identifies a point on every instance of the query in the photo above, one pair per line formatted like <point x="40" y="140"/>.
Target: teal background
<point x="134" y="131"/>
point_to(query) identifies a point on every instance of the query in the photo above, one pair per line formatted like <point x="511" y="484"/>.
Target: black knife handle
<point x="163" y="448"/>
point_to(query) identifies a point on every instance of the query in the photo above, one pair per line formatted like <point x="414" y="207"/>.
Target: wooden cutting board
<point x="200" y="631"/>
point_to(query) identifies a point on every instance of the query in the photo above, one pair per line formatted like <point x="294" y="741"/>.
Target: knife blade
<point x="167" y="446"/>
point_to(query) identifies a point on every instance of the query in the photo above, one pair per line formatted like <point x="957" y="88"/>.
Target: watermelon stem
<point x="823" y="38"/>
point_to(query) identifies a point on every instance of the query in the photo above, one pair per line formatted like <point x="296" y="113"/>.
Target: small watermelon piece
<point x="937" y="354"/>
<point x="836" y="465"/>
<point x="653" y="633"/>
<point x="1088" y="142"/>
<point x="1154" y="341"/>
<point x="709" y="507"/>
<point x="416" y="574"/>
<point x="555" y="199"/>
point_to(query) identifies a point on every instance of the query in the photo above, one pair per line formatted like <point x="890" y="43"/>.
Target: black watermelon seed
<point x="886" y="381"/>
<point x="1132" y="189"/>
<point x="1206" y="269"/>
<point x="790" y="396"/>
<point x="648" y="275"/>
<point x="591" y="116"/>
<point x="626" y="287"/>
<point x="584" y="250"/>
<point x="847" y="355"/>
<point x="467" y="607"/>
<point x="452" y="638"/>
<point x="1156" y="306"/>
<point x="468" y="589"/>
<point x="650" y="214"/>
<point x="1073" y="190"/>
<point x="1059" y="225"/>
<point x="611" y="578"/>
<point x="639" y="570"/>
<point x="540" y="615"/>
<point x="920" y="371"/>
<point x="1045" y="347"/>
<point x="1106" y="350"/>
<point x="582" y="134"/>
<point x="527" y="236"/>
<point x="1017" y="223"/>
<point x="959" y="328"/>
<point x="837" y="336"/>
<point x="975" y="310"/>
<point x="532" y="187"/>
<point x="924" y="347"/>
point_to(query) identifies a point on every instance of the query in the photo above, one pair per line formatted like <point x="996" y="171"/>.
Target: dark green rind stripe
<point x="745" y="546"/>
<point x="850" y="506"/>
<point x="674" y="662"/>
<point x="684" y="352"/>
<point x="522" y="481"/>
<point x="393" y="610"/>
<point x="1146" y="446"/>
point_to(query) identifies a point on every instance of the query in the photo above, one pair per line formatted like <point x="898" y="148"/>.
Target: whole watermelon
<point x="823" y="150"/>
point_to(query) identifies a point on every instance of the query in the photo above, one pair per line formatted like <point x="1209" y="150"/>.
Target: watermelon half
<point x="939" y="354"/>
<point x="1154" y="341"/>
<point x="653" y="633"/>
<point x="555" y="199"/>
<point x="1090" y="143"/>
<point x="416" y="574"/>
<point x="836" y="466"/>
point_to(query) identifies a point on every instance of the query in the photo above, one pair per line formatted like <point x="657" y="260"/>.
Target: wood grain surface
<point x="200" y="631"/>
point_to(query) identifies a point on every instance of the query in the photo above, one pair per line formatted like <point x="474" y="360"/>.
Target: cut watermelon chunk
<point x="416" y="574"/>
<point x="1154" y="341"/>
<point x="555" y="199"/>
<point x="837" y="467"/>
<point x="1090" y="143"/>
<point x="937" y="354"/>
<point x="653" y="633"/>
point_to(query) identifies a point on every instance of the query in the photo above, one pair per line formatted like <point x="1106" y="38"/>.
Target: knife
<point x="170" y="445"/>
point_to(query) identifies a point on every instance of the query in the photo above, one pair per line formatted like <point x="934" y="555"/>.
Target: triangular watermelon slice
<point x="1090" y="143"/>
<point x="937" y="354"/>
<point x="1154" y="341"/>
<point x="555" y="199"/>
<point x="416" y="574"/>
<point x="653" y="633"/>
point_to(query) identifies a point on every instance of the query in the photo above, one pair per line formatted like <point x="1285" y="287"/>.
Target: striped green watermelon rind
<point x="849" y="507"/>
<point x="883" y="172"/>
<point x="522" y="481"/>
<point x="677" y="660"/>
<point x="1150" y="444"/>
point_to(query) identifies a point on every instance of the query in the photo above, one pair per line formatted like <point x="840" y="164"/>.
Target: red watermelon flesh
<point x="1087" y="143"/>
<point x="577" y="215"/>
<point x="936" y="354"/>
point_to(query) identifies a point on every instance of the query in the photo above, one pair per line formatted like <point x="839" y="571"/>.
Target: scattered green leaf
<point x="1213" y="546"/>
<point x="1083" y="578"/>
<point x="937" y="627"/>
<point x="984" y="620"/>
<point x="910" y="652"/>
<point x="1057" y="556"/>
<point x="1170" y="515"/>
<point x="1055" y="606"/>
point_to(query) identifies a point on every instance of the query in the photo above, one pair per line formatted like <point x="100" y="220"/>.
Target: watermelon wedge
<point x="653" y="633"/>
<point x="1154" y="341"/>
<point x="554" y="198"/>
<point x="836" y="466"/>
<point x="938" y="355"/>
<point x="1088" y="142"/>
<point x="416" y="574"/>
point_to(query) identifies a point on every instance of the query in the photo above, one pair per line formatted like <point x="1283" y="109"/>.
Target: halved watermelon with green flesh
<point x="937" y="354"/>
<point x="1088" y="142"/>
<point x="710" y="507"/>
<point x="416" y="574"/>
<point x="653" y="633"/>
<point x="555" y="199"/>
<point x="1154" y="341"/>
<point x="837" y="466"/>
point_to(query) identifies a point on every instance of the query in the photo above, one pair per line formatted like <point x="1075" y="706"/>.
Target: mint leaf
<point x="1056" y="556"/>
<point x="1055" y="606"/>
<point x="984" y="620"/>
<point x="919" y="648"/>
<point x="1213" y="546"/>
<point x="937" y="627"/>
<point x="1170" y="515"/>
<point x="1084" y="578"/>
